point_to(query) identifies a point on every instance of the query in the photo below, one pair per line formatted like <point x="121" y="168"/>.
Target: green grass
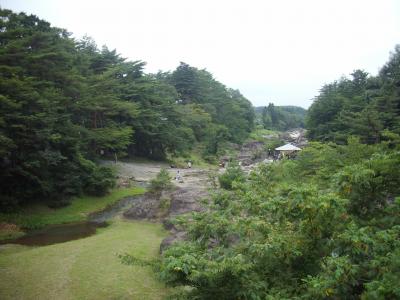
<point x="258" y="134"/>
<point x="39" y="215"/>
<point x="87" y="268"/>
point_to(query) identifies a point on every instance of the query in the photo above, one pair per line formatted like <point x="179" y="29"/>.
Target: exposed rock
<point x="181" y="200"/>
<point x="251" y="152"/>
<point x="152" y="206"/>
<point x="295" y="136"/>
<point x="184" y="200"/>
<point x="177" y="237"/>
<point x="144" y="208"/>
<point x="125" y="181"/>
<point x="168" y="225"/>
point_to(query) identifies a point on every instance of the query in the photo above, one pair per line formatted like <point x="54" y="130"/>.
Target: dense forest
<point x="323" y="226"/>
<point x="65" y="103"/>
<point x="364" y="106"/>
<point x="280" y="117"/>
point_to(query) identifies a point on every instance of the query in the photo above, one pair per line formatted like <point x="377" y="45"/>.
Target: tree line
<point x="281" y="117"/>
<point x="65" y="103"/>
<point x="325" y="225"/>
<point x="364" y="106"/>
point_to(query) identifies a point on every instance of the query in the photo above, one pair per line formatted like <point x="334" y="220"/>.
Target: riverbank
<point x="87" y="268"/>
<point x="38" y="216"/>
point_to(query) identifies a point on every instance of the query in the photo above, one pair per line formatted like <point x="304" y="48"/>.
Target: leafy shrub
<point x="273" y="143"/>
<point x="211" y="159"/>
<point x="100" y="181"/>
<point x="232" y="173"/>
<point x="161" y="182"/>
<point x="290" y="233"/>
<point x="8" y="203"/>
<point x="130" y="260"/>
<point x="165" y="204"/>
<point x="58" y="203"/>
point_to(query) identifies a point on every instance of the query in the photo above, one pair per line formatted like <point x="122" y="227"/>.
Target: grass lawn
<point x="40" y="215"/>
<point x="87" y="268"/>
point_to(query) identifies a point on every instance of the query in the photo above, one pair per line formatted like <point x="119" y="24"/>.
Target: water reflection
<point x="54" y="234"/>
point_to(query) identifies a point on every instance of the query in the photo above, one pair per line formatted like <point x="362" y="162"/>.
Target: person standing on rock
<point x="189" y="164"/>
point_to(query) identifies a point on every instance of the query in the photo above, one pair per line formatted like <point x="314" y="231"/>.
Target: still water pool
<point x="60" y="233"/>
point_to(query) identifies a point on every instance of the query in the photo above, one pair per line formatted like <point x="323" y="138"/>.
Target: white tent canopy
<point x="288" y="147"/>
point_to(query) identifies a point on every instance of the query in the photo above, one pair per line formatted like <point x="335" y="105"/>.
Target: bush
<point x="289" y="233"/>
<point x="101" y="180"/>
<point x="232" y="173"/>
<point x="58" y="203"/>
<point x="165" y="204"/>
<point x="211" y="159"/>
<point x="161" y="182"/>
<point x="8" y="203"/>
<point x="273" y="143"/>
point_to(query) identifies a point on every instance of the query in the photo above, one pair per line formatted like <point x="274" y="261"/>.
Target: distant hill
<point x="280" y="117"/>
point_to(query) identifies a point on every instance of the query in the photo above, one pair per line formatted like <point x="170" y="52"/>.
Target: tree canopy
<point x="364" y="106"/>
<point x="281" y="117"/>
<point x="65" y="104"/>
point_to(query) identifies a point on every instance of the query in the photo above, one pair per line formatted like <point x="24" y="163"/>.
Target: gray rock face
<point x="184" y="200"/>
<point x="295" y="136"/>
<point x="174" y="238"/>
<point x="145" y="208"/>
<point x="167" y="204"/>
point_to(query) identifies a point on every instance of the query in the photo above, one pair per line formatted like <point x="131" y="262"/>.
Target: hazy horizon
<point x="272" y="52"/>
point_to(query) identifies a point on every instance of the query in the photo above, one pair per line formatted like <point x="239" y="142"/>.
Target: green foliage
<point x="92" y="261"/>
<point x="130" y="260"/>
<point x="232" y="174"/>
<point x="280" y="117"/>
<point x="362" y="183"/>
<point x="64" y="103"/>
<point x="161" y="182"/>
<point x="102" y="179"/>
<point x="325" y="225"/>
<point x="260" y="134"/>
<point x="46" y="149"/>
<point x="226" y="107"/>
<point x="362" y="106"/>
<point x="40" y="215"/>
<point x="165" y="204"/>
<point x="216" y="135"/>
<point x="273" y="143"/>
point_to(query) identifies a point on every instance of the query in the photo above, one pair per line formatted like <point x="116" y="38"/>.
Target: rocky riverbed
<point x="195" y="184"/>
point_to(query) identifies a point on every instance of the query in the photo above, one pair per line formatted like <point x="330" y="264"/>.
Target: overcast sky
<point x="272" y="51"/>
